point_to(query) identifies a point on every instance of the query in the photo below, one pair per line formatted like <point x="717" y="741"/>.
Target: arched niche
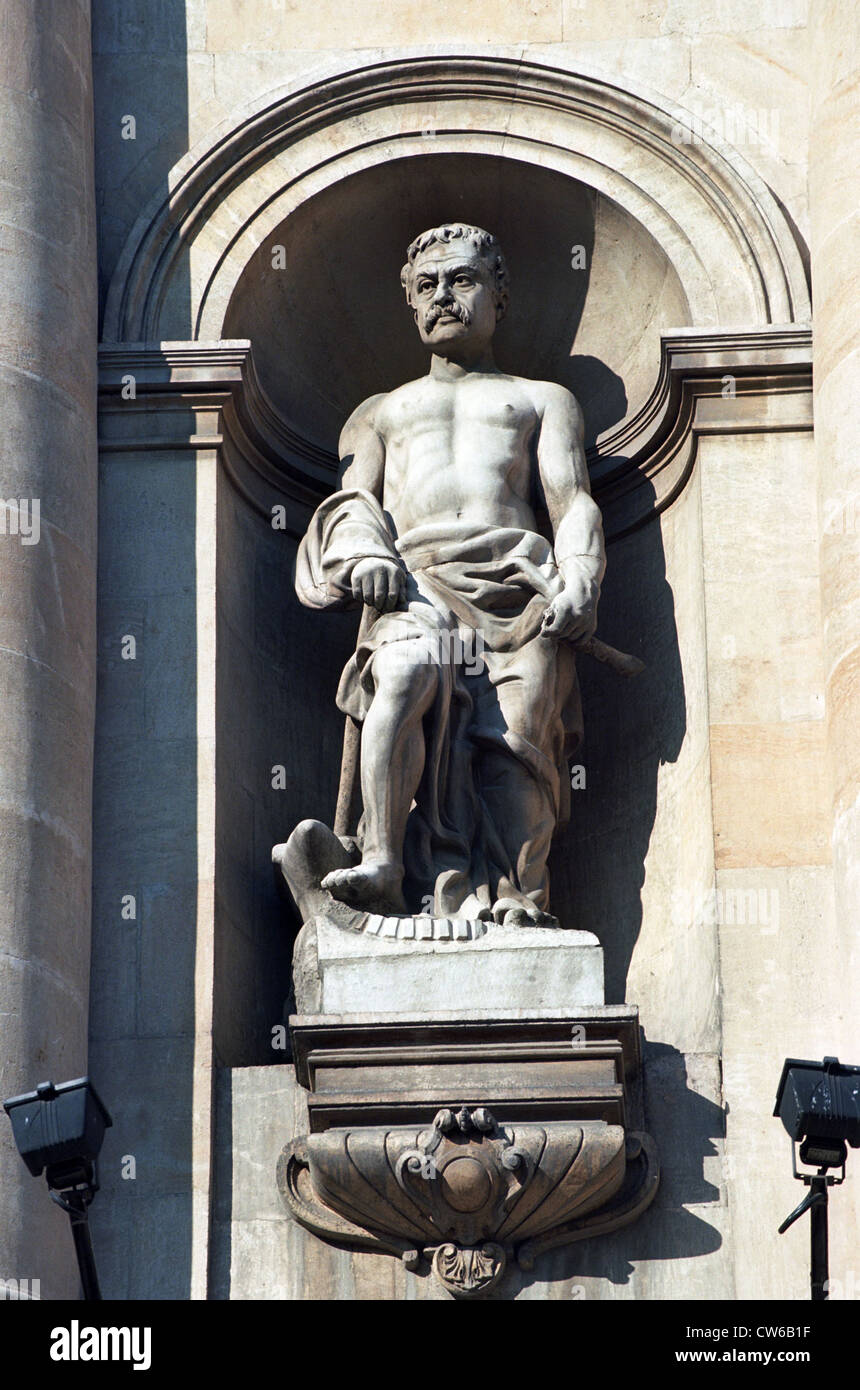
<point x="716" y="221"/>
<point x="683" y="234"/>
<point x="343" y="171"/>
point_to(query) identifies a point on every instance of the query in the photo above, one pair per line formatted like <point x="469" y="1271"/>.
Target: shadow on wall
<point x="632" y="727"/>
<point x="686" y="1126"/>
<point x="142" y="1018"/>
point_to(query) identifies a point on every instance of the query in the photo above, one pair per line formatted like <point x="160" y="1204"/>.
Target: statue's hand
<point x="378" y="583"/>
<point x="572" y="615"/>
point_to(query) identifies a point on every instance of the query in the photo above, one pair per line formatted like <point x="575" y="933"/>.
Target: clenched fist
<point x="378" y="583"/>
<point x="572" y="615"/>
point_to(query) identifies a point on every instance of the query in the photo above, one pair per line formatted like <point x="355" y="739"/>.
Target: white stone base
<point x="342" y="972"/>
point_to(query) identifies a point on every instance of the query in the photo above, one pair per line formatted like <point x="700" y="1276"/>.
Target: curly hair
<point x="484" y="243"/>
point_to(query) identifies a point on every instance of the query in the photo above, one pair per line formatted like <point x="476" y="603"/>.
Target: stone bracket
<point x="406" y="1155"/>
<point x="468" y="1194"/>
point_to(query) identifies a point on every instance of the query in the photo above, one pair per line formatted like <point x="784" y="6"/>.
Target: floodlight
<point x="819" y="1105"/>
<point x="59" y="1129"/>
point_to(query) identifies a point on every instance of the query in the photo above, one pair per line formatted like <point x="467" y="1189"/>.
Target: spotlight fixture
<point x="819" y="1105"/>
<point x="60" y="1129"/>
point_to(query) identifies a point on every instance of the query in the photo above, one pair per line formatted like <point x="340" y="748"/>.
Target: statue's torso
<point x="460" y="451"/>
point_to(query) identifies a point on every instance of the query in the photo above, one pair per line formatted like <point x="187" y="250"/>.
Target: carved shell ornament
<point x="468" y="1194"/>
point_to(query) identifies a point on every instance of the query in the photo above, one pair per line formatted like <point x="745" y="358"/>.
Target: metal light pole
<point x="819" y="1104"/>
<point x="73" y="1191"/>
<point x="60" y="1129"/>
<point x="815" y="1202"/>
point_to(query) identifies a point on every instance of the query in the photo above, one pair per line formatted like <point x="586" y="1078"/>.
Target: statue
<point x="462" y="708"/>
<point x="461" y="697"/>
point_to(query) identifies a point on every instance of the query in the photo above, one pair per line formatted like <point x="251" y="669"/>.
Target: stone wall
<point x="718" y="771"/>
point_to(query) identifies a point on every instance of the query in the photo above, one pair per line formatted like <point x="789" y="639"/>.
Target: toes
<point x="503" y="907"/>
<point x="518" y="917"/>
<point x="341" y="883"/>
<point x="363" y="887"/>
<point x="544" y="919"/>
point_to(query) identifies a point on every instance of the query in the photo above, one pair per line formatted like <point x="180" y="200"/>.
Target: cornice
<point x="709" y="381"/>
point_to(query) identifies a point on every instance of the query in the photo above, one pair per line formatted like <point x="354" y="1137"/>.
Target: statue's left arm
<point x="575" y="517"/>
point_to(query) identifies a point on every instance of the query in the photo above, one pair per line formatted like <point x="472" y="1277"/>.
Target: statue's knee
<point x="405" y="668"/>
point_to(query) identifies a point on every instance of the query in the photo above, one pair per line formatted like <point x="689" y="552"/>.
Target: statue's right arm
<point x="361" y="450"/>
<point x="378" y="583"/>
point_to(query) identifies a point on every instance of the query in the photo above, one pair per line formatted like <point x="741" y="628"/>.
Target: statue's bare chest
<point x="455" y="450"/>
<point x="494" y="416"/>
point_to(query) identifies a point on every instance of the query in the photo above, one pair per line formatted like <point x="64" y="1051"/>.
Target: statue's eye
<point x="424" y="286"/>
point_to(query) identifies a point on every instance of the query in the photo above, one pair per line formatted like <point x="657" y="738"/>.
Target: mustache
<point x="435" y="312"/>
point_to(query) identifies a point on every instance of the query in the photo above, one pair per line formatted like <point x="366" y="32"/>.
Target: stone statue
<point x="463" y="684"/>
<point x="462" y="708"/>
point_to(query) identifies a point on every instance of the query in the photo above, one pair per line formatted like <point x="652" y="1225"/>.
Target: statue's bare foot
<point x="375" y="884"/>
<point x="538" y="918"/>
<point x="511" y="913"/>
<point x="525" y="917"/>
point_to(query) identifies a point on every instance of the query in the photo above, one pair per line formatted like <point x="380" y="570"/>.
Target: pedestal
<point x="491" y="1115"/>
<point x="419" y="964"/>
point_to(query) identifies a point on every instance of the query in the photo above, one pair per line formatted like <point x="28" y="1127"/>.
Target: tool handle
<point x="622" y="662"/>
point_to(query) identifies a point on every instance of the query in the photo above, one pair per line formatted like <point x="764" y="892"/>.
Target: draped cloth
<point x="506" y="712"/>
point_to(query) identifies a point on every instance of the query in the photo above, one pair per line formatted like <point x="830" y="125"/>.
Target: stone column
<point x="48" y="334"/>
<point x="835" y="237"/>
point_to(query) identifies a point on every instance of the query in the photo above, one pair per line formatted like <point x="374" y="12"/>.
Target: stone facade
<point x="701" y="158"/>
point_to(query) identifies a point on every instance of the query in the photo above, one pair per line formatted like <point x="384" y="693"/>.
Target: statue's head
<point x="456" y="281"/>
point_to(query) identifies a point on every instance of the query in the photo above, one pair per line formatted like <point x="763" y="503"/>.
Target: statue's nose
<point x="443" y="294"/>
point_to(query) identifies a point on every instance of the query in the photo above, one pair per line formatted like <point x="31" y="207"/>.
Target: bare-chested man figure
<point x="434" y="528"/>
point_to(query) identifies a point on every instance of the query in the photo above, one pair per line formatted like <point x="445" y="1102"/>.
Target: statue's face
<point x="454" y="297"/>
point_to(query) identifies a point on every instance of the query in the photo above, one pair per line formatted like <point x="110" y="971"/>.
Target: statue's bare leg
<point x="392" y="760"/>
<point x="526" y="696"/>
<point x="524" y="821"/>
